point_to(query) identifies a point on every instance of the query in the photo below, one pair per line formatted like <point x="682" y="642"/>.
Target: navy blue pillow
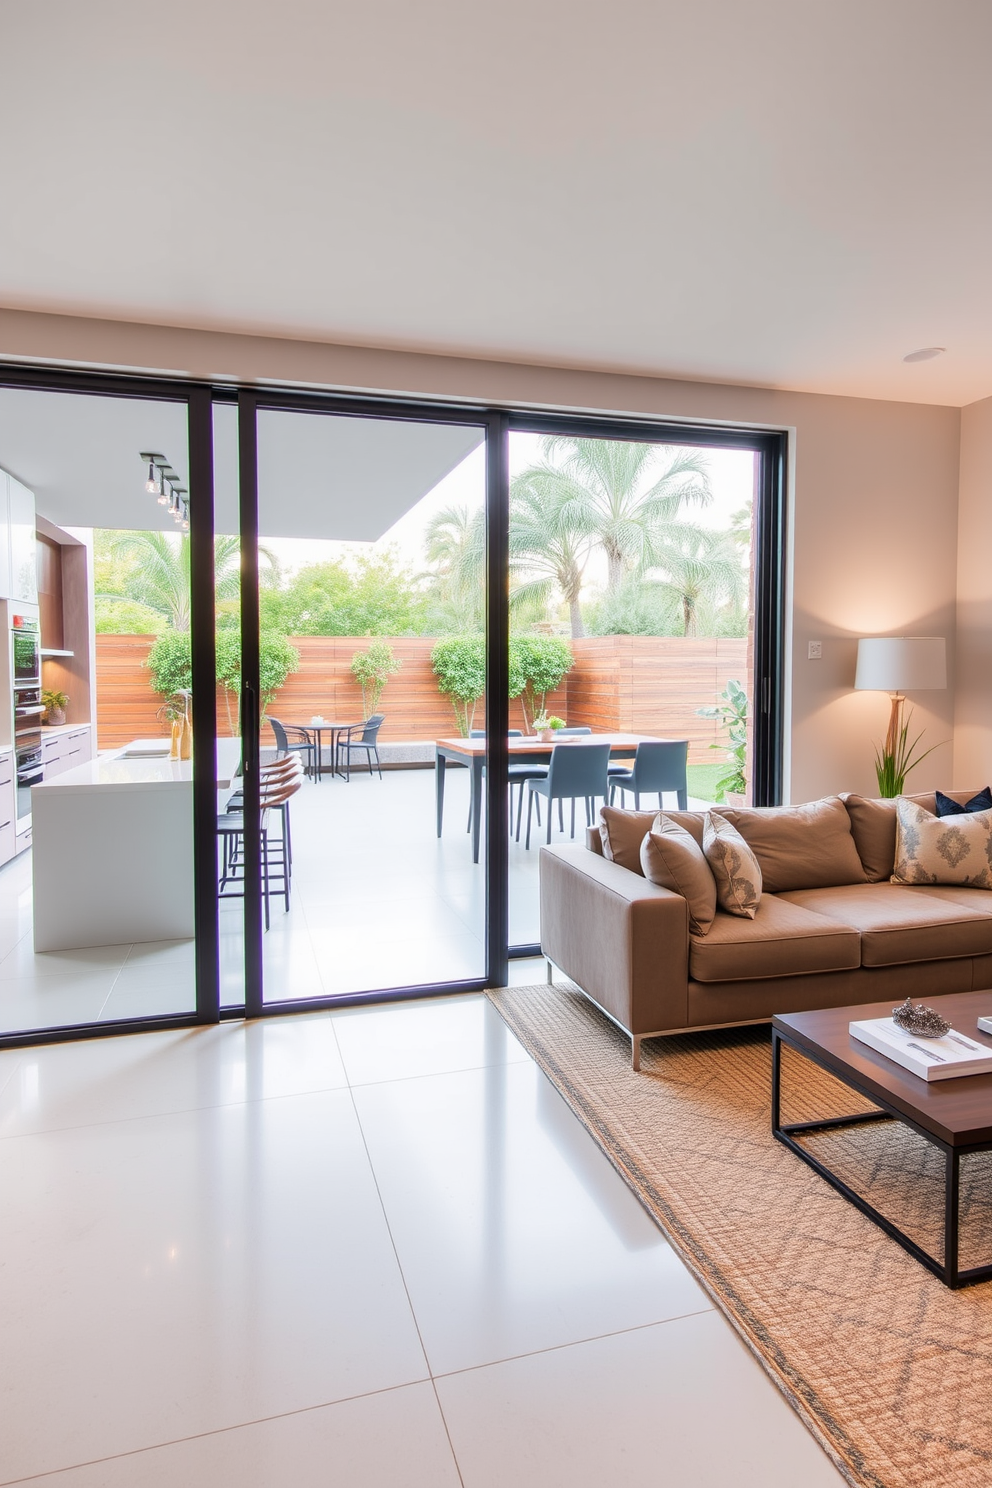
<point x="981" y="802"/>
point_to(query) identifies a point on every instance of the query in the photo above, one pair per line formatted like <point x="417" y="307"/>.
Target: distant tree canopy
<point x="369" y="595"/>
<point x="605" y="538"/>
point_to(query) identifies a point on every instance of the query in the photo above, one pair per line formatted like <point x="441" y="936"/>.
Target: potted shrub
<point x="55" y="706"/>
<point x="547" y="728"/>
<point x="732" y="712"/>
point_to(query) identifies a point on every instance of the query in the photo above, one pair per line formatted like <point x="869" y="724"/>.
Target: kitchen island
<point x="113" y="848"/>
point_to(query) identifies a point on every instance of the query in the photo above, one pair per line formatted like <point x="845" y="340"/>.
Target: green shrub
<point x="459" y="663"/>
<point x="543" y="661"/>
<point x="372" y="669"/>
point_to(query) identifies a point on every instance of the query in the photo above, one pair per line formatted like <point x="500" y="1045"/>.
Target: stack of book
<point x="931" y="1058"/>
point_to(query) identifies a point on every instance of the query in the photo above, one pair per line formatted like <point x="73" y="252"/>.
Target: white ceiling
<point x="319" y="477"/>
<point x="779" y="192"/>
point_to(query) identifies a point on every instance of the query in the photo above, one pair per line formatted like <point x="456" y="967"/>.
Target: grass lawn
<point x="702" y="779"/>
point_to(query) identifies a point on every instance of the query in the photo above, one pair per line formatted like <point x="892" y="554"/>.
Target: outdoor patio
<point x="378" y="900"/>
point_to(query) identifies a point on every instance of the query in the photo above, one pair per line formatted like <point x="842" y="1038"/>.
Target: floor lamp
<point x="897" y="665"/>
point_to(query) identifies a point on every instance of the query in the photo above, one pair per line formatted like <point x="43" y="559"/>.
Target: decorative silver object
<point x="924" y="1022"/>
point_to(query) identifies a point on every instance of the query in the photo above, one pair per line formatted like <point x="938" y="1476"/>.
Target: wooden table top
<point x="957" y="1111"/>
<point x="531" y="744"/>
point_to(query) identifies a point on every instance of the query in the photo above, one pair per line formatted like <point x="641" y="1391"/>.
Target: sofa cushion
<point x="947" y="806"/>
<point x="735" y="868"/>
<point x="622" y="832"/>
<point x="783" y="939"/>
<point x="900" y="925"/>
<point x="800" y="847"/>
<point x="873" y="826"/>
<point x="671" y="857"/>
<point x="937" y="850"/>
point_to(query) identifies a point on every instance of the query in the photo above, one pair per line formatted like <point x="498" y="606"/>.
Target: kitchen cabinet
<point x="22" y="543"/>
<point x="8" y="825"/>
<point x="64" y="748"/>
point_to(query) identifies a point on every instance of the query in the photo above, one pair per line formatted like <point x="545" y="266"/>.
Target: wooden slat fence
<point x="636" y="684"/>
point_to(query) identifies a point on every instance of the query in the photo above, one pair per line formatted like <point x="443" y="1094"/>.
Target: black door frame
<point x="497" y="423"/>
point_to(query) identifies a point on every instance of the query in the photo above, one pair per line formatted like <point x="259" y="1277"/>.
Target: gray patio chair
<point x="659" y="765"/>
<point x="291" y="739"/>
<point x="574" y="771"/>
<point x="367" y="741"/>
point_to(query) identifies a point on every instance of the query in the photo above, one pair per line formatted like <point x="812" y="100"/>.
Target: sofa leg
<point x="550" y="972"/>
<point x="635" y="1047"/>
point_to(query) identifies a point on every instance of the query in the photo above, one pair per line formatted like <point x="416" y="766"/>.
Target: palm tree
<point x="547" y="547"/>
<point x="158" y="573"/>
<point x="455" y="546"/>
<point x="620" y="494"/>
<point x="701" y="568"/>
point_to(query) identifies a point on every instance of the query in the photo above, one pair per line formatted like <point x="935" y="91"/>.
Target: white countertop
<point x="146" y="773"/>
<point x="55" y="730"/>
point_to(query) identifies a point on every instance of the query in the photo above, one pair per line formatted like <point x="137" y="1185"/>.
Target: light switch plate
<point x="816" y="651"/>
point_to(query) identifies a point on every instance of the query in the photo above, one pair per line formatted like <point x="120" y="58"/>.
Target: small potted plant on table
<point x="55" y="706"/>
<point x="547" y="728"/>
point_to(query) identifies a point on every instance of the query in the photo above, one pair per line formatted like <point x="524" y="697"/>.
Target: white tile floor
<point x="378" y="901"/>
<point x="368" y="1249"/>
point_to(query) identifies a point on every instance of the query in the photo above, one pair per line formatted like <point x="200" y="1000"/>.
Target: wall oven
<point x="26" y="645"/>
<point x="26" y="672"/>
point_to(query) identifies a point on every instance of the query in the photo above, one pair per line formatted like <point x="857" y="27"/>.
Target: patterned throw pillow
<point x="942" y="850"/>
<point x="735" y="868"/>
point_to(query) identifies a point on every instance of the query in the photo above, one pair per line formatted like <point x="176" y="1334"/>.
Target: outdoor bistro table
<point x="472" y="752"/>
<point x="317" y="731"/>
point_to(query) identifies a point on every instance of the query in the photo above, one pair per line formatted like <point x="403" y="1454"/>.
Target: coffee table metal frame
<point x="948" y="1270"/>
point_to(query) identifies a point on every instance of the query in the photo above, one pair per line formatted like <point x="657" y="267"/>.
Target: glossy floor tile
<point x="431" y="1036"/>
<point x="681" y="1403"/>
<point x="530" y="1239"/>
<point x="395" y="1439"/>
<point x="191" y="1272"/>
<point x="237" y="1255"/>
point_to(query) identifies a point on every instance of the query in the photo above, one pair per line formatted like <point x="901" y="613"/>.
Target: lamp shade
<point x="901" y="664"/>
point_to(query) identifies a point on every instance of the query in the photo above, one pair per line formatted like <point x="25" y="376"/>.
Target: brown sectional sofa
<point x="816" y="941"/>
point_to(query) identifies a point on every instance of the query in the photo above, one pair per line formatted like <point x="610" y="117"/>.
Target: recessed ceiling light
<point x="924" y="354"/>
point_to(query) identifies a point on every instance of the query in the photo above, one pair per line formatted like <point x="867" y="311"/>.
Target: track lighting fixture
<point x="163" y="483"/>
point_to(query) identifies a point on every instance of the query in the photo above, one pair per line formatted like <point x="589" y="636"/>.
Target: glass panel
<point x="372" y="584"/>
<point x="96" y="898"/>
<point x="227" y="599"/>
<point x="632" y="622"/>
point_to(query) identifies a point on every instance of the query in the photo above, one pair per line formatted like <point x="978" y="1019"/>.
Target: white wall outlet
<point x="816" y="650"/>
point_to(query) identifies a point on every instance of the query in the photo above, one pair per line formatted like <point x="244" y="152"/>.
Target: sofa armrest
<point x="624" y="940"/>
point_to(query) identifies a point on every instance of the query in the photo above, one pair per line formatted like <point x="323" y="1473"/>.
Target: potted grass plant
<point x="55" y="705"/>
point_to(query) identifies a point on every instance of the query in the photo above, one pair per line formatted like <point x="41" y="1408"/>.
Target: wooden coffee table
<point x="955" y="1116"/>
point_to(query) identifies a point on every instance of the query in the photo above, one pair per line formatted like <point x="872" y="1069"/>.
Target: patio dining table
<point x="316" y="732"/>
<point x="472" y="753"/>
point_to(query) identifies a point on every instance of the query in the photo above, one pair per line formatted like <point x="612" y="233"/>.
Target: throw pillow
<point x="622" y="833"/>
<point x="735" y="868"/>
<point x="947" y="806"/>
<point x="672" y="858"/>
<point x="800" y="847"/>
<point x="932" y="850"/>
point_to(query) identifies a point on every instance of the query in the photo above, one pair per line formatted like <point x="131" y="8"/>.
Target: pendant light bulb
<point x="151" y="484"/>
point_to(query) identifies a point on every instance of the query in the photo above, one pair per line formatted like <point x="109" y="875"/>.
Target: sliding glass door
<point x="363" y="702"/>
<point x="293" y="682"/>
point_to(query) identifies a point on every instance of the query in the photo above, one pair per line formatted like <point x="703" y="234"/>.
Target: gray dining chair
<point x="291" y="739"/>
<point x="575" y="770"/>
<point x="659" y="765"/>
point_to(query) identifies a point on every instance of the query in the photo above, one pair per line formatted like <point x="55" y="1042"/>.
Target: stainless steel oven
<point x="26" y="647"/>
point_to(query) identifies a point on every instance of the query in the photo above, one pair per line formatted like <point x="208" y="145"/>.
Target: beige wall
<point x="973" y="695"/>
<point x="875" y="489"/>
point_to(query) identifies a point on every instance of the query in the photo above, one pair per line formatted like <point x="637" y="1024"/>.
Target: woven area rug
<point x="889" y="1369"/>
